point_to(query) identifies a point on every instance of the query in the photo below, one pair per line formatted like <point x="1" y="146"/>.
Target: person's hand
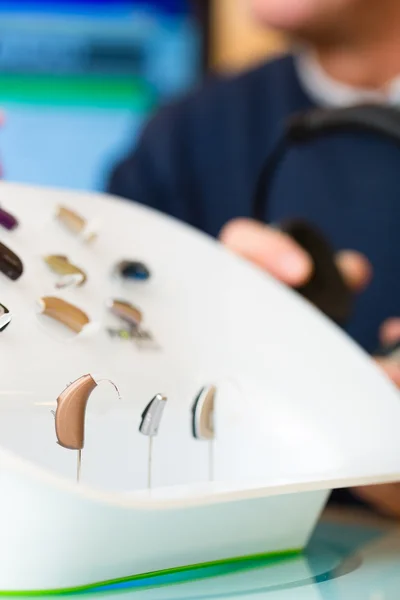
<point x="283" y="258"/>
<point x="278" y="254"/>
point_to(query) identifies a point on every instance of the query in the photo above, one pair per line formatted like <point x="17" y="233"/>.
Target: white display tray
<point x="300" y="409"/>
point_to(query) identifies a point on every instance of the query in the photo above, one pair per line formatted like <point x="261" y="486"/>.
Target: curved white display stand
<point x="300" y="409"/>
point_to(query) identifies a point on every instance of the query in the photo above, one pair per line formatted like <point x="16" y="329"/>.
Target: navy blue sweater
<point x="198" y="160"/>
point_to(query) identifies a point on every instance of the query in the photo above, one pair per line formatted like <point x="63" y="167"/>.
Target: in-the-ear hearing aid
<point x="71" y="275"/>
<point x="75" y="223"/>
<point x="326" y="288"/>
<point x="71" y="411"/>
<point x="10" y="264"/>
<point x="125" y="311"/>
<point x="203" y="421"/>
<point x="5" y="317"/>
<point x="149" y="425"/>
<point x="131" y="270"/>
<point x="69" y="315"/>
<point x="7" y="220"/>
<point x="133" y="318"/>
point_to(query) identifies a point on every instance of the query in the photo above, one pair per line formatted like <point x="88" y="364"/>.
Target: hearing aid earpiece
<point x="131" y="270"/>
<point x="203" y="421"/>
<point x="7" y="220"/>
<point x="149" y="425"/>
<point x="326" y="288"/>
<point x="5" y="317"/>
<point x="71" y="411"/>
<point x="10" y="264"/>
<point x="125" y="311"/>
<point x="71" y="276"/>
<point x="65" y="313"/>
<point x="76" y="223"/>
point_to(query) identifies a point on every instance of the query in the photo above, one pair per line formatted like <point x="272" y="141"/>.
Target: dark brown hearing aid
<point x="10" y="264"/>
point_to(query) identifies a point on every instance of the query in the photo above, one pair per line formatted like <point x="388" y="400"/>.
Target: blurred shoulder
<point x="219" y="96"/>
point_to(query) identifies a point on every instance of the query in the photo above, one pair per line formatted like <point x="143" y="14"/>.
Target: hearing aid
<point x="75" y="223"/>
<point x="71" y="411"/>
<point x="203" y="421"/>
<point x="5" y="317"/>
<point x="125" y="311"/>
<point x="327" y="288"/>
<point x="149" y="426"/>
<point x="71" y="275"/>
<point x="7" y="220"/>
<point x="131" y="270"/>
<point x="65" y="313"/>
<point x="10" y="264"/>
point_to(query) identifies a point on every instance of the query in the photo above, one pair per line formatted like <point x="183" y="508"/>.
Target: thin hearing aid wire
<point x="71" y="412"/>
<point x="149" y="425"/>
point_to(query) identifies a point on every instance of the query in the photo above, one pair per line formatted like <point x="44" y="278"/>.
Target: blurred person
<point x="198" y="160"/>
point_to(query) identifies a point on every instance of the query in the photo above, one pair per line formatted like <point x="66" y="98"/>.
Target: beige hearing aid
<point x="125" y="311"/>
<point x="69" y="315"/>
<point x="203" y="421"/>
<point x="71" y="275"/>
<point x="71" y="411"/>
<point x="75" y="223"/>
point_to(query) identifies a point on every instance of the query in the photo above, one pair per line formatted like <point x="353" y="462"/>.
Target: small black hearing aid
<point x="132" y="270"/>
<point x="10" y="264"/>
<point x="327" y="288"/>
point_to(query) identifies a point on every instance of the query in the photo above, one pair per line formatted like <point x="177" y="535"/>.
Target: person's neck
<point x="370" y="59"/>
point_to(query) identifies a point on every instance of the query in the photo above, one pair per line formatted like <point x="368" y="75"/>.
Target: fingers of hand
<point x="391" y="368"/>
<point x="384" y="498"/>
<point x="268" y="248"/>
<point x="389" y="332"/>
<point x="355" y="268"/>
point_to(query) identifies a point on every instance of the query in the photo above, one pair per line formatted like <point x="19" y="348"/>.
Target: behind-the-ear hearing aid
<point x="5" y="317"/>
<point x="132" y="270"/>
<point x="7" y="220"/>
<point x="71" y="411"/>
<point x="75" y="223"/>
<point x="69" y="315"/>
<point x="125" y="311"/>
<point x="327" y="289"/>
<point x="149" y="425"/>
<point x="71" y="275"/>
<point x="203" y="421"/>
<point x="10" y="264"/>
